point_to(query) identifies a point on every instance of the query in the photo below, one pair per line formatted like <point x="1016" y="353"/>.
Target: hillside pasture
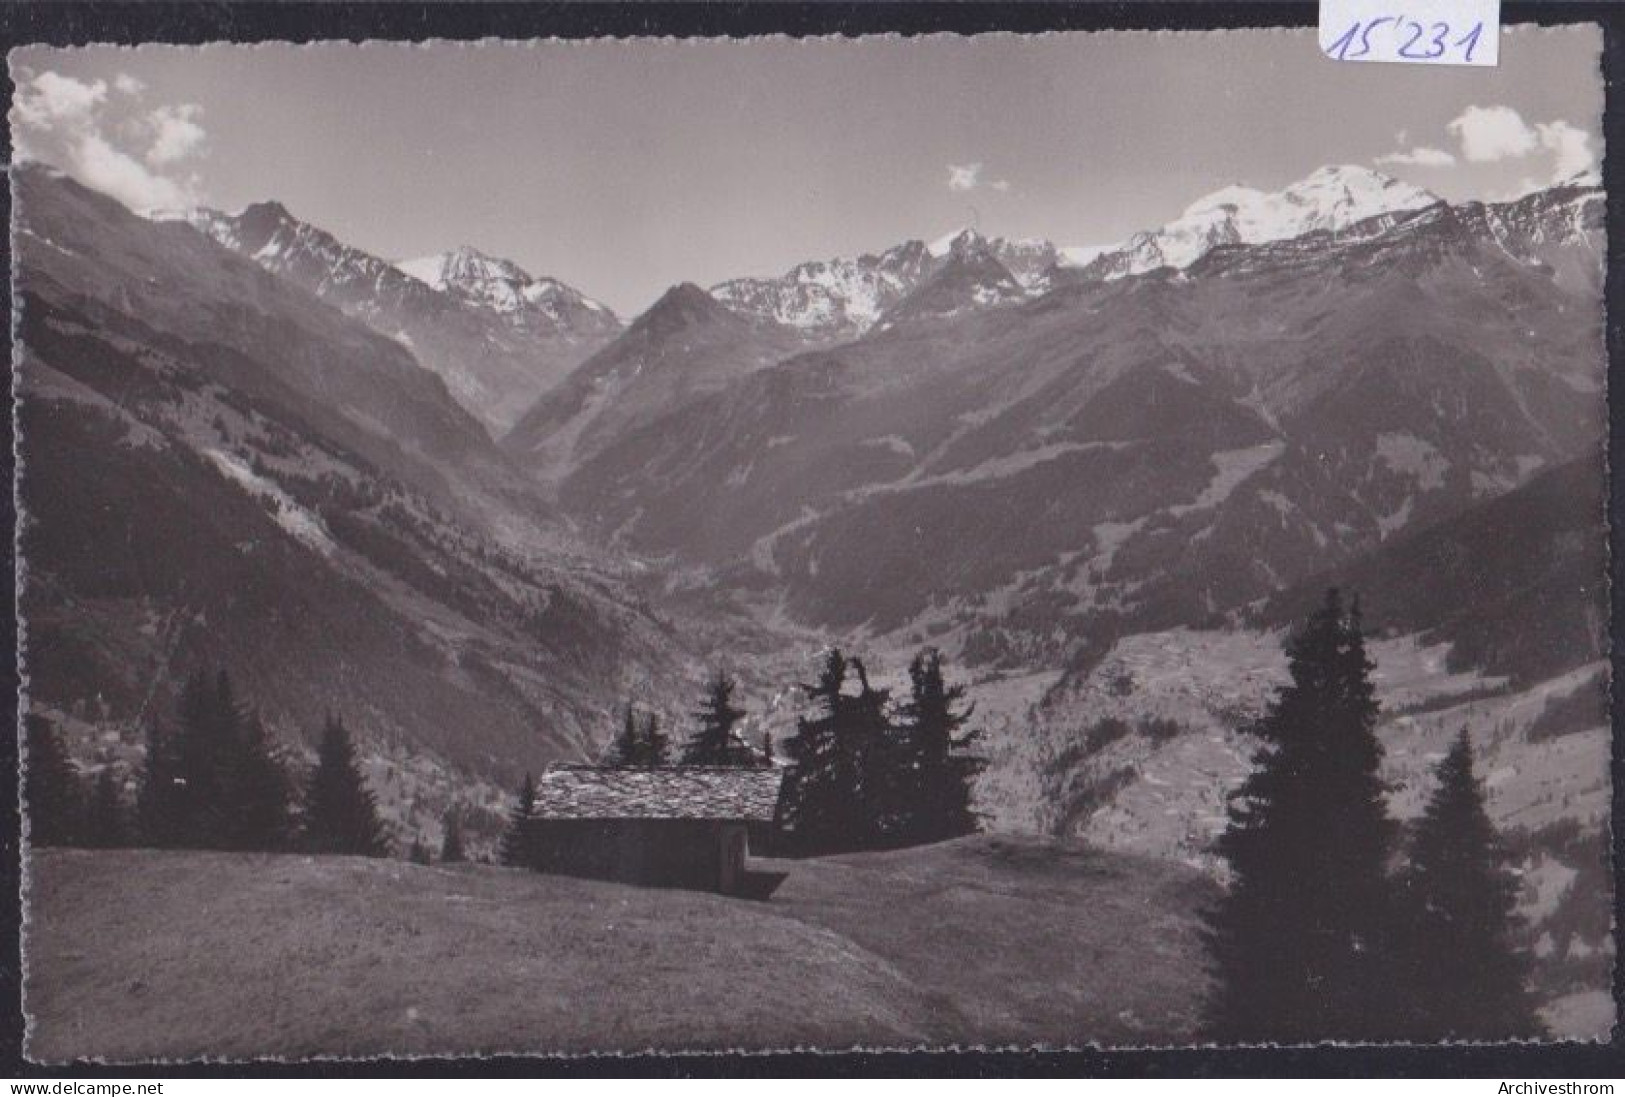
<point x="137" y="955"/>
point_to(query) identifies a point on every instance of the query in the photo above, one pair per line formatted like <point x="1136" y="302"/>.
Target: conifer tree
<point x="641" y="742"/>
<point x="52" y="795"/>
<point x="1301" y="944"/>
<point x="262" y="811"/>
<point x="451" y="841"/>
<point x="627" y="748"/>
<point x="1465" y="977"/>
<point x="208" y="756"/>
<point x="867" y="735"/>
<point x="159" y="792"/>
<point x="832" y="801"/>
<point x="514" y="838"/>
<point x="656" y="744"/>
<point x="220" y="781"/>
<point x="819" y="780"/>
<point x="341" y="815"/>
<point x="105" y="826"/>
<point x="715" y="743"/>
<point x="936" y="778"/>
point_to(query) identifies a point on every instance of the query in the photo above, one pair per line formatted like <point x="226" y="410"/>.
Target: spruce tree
<point x="714" y="742"/>
<point x="1465" y="977"/>
<point x="451" y="841"/>
<point x="208" y="756"/>
<point x="819" y="785"/>
<point x="262" y="816"/>
<point x="867" y="735"/>
<point x="627" y="748"/>
<point x="53" y="799"/>
<point x="837" y="797"/>
<point x="220" y="781"/>
<point x="936" y="778"/>
<point x="341" y="815"/>
<point x="1301" y="943"/>
<point x="640" y="742"/>
<point x="105" y="826"/>
<point x="159" y="792"/>
<point x="514" y="839"/>
<point x="655" y="744"/>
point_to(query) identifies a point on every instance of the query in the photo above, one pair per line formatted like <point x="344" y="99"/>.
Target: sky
<point x="626" y="166"/>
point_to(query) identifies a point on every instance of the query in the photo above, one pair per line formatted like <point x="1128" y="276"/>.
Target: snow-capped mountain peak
<point x="832" y="297"/>
<point x="841" y="298"/>
<point x="958" y="240"/>
<point x="1081" y="255"/>
<point x="495" y="334"/>
<point x="847" y="297"/>
<point x="1027" y="260"/>
<point x="1329" y="199"/>
<point x="498" y="284"/>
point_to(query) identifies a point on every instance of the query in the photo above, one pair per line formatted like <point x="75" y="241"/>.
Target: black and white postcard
<point x="1067" y="540"/>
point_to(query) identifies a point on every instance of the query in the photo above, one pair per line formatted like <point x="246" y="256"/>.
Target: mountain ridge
<point x="496" y="348"/>
<point x="1288" y="399"/>
<point x="224" y="471"/>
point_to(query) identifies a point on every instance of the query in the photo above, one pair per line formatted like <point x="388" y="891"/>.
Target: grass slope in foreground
<point x="141" y="954"/>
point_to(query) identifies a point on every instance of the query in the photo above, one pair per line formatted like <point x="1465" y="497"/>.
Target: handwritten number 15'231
<point x="1421" y="41"/>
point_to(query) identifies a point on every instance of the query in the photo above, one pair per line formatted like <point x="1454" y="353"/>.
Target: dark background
<point x="66" y="24"/>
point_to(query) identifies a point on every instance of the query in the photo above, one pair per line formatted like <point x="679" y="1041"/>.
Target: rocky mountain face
<point x="543" y="306"/>
<point x="970" y="276"/>
<point x="1027" y="260"/>
<point x="219" y="470"/>
<point x="498" y="337"/>
<point x="839" y="299"/>
<point x="831" y="299"/>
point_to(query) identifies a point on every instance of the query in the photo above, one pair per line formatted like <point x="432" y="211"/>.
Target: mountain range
<point x="1171" y="445"/>
<point x="498" y="337"/>
<point x="1209" y="413"/>
<point x="224" y="471"/>
<point x="476" y="511"/>
<point x="836" y="299"/>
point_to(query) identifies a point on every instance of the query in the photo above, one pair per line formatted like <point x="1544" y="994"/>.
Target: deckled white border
<point x="20" y="576"/>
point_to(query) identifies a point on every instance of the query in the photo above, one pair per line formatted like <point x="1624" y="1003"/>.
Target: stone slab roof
<point x="663" y="792"/>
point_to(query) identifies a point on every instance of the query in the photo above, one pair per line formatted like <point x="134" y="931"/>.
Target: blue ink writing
<point x="1400" y="36"/>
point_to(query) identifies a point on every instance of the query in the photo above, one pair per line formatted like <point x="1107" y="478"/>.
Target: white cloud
<point x="964" y="176"/>
<point x="1493" y="133"/>
<point x="51" y="101"/>
<point x="114" y="145"/>
<point x="1570" y="146"/>
<point x="98" y="164"/>
<point x="1421" y="157"/>
<point x="1489" y="134"/>
<point x="176" y="133"/>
